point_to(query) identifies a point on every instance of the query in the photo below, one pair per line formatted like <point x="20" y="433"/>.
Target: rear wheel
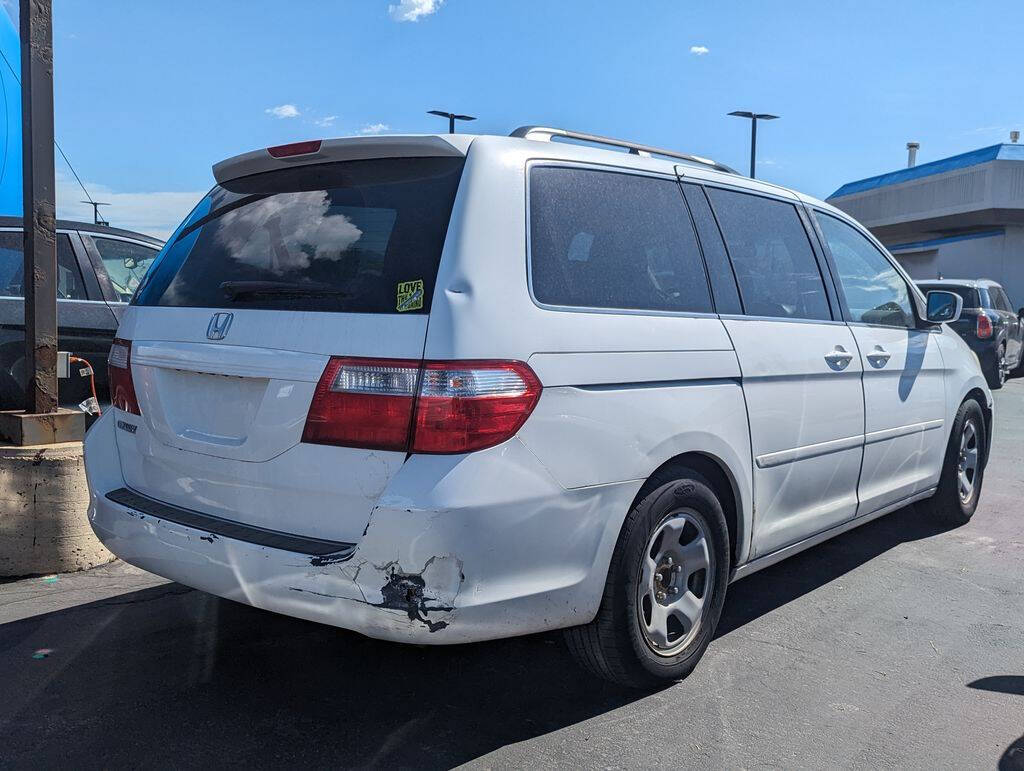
<point x="963" y="471"/>
<point x="996" y="373"/>
<point x="665" y="587"/>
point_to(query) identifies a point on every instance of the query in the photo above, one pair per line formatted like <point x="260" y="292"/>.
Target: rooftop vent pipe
<point x="912" y="148"/>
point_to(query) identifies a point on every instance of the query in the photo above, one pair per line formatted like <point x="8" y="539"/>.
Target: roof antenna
<point x="96" y="218"/>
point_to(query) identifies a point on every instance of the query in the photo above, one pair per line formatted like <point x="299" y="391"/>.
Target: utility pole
<point x="754" y="118"/>
<point x="451" y="116"/>
<point x="40" y="421"/>
<point x="39" y="210"/>
<point x="96" y="218"/>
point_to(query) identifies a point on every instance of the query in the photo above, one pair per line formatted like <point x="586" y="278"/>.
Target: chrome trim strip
<point x="772" y="459"/>
<point x="892" y="433"/>
<point x="788" y="551"/>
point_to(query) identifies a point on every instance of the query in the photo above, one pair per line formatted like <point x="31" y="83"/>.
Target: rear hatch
<point x="233" y="326"/>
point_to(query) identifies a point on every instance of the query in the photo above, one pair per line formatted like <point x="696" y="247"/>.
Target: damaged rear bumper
<point x="457" y="549"/>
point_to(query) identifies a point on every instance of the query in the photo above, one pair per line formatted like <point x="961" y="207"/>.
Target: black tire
<point x="613" y="645"/>
<point x="948" y="505"/>
<point x="995" y="373"/>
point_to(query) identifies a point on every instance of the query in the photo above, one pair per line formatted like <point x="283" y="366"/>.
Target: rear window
<point x="969" y="295"/>
<point x="355" y="237"/>
<point x="610" y="240"/>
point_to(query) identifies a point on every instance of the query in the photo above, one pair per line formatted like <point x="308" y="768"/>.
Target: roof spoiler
<point x="343" y="149"/>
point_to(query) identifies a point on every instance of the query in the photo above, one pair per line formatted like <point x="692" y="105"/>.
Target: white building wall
<point x="1000" y="258"/>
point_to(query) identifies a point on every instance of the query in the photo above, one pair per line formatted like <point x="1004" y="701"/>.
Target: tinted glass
<point x="12" y="267"/>
<point x="126" y="264"/>
<point x="875" y="292"/>
<point x="1002" y="302"/>
<point x="776" y="269"/>
<point x="608" y="240"/>
<point x="970" y="297"/>
<point x="723" y="282"/>
<point x="359" y="237"/>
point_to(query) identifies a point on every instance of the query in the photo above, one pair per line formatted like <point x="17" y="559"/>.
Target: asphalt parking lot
<point x="898" y="644"/>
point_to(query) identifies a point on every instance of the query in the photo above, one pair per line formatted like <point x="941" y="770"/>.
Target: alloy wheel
<point x="967" y="466"/>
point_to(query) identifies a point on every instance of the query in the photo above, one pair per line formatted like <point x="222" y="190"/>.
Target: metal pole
<point x="753" y="146"/>
<point x="451" y="124"/>
<point x="39" y="211"/>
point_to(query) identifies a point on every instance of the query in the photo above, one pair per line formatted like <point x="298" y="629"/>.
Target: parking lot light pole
<point x="39" y="209"/>
<point x="451" y="116"/>
<point x="754" y="118"/>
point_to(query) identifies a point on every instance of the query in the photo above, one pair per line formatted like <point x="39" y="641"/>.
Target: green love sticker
<point x="410" y="295"/>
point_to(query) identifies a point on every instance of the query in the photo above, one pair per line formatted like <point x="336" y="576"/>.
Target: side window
<point x="611" y="240"/>
<point x="875" y="292"/>
<point x="12" y="267"/>
<point x="723" y="282"/>
<point x="126" y="263"/>
<point x="1001" y="300"/>
<point x="775" y="266"/>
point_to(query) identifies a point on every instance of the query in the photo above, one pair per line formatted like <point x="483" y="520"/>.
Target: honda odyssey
<point x="439" y="389"/>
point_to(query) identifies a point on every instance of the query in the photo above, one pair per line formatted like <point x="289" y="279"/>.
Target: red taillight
<point x="119" y="372"/>
<point x="295" y="148"/>
<point x="984" y="329"/>
<point x="469" y="405"/>
<point x="363" y="403"/>
<point x="425" y="407"/>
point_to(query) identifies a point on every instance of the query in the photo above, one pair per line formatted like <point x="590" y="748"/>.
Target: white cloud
<point x="699" y="50"/>
<point x="326" y="122"/>
<point x="413" y="10"/>
<point x="155" y="214"/>
<point x="283" y="111"/>
<point x="374" y="128"/>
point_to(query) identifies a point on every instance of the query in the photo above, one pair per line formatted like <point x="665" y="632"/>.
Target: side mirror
<point x="130" y="263"/>
<point x="944" y="307"/>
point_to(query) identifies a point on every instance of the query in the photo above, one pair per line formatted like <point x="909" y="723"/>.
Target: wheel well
<point x="978" y="395"/>
<point x="721" y="482"/>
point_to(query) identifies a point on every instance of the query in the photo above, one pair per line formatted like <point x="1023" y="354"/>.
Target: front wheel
<point x="665" y="587"/>
<point x="963" y="470"/>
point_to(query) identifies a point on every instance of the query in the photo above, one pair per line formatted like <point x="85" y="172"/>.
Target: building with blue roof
<point x="959" y="217"/>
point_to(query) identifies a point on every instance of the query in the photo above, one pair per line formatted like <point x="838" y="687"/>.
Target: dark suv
<point x="98" y="269"/>
<point x="989" y="325"/>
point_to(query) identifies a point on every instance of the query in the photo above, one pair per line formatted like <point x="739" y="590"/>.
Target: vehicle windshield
<point x="126" y="263"/>
<point x="359" y="237"/>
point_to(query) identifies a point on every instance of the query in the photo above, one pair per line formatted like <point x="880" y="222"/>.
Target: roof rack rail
<point x="547" y="133"/>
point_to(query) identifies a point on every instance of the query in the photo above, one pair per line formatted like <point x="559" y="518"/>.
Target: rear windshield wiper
<point x="240" y="289"/>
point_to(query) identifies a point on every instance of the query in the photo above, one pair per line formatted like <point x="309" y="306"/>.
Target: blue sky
<point x="150" y="94"/>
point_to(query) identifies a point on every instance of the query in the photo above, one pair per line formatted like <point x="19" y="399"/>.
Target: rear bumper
<point x="458" y="549"/>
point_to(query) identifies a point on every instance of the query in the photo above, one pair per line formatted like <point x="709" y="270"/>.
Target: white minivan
<point x="439" y="389"/>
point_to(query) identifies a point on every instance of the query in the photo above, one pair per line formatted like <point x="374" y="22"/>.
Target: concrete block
<point x="44" y="501"/>
<point x="24" y="429"/>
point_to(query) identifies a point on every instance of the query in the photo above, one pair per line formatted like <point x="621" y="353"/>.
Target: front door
<point x="904" y="392"/>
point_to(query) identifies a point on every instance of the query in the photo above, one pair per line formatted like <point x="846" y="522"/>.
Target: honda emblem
<point x="219" y="326"/>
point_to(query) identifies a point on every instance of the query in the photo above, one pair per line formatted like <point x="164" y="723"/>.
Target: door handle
<point x="839" y="358"/>
<point x="879" y="357"/>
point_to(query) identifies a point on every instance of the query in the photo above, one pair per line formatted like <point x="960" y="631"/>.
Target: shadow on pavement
<point x="790" y="579"/>
<point x="1013" y="758"/>
<point x="172" y="676"/>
